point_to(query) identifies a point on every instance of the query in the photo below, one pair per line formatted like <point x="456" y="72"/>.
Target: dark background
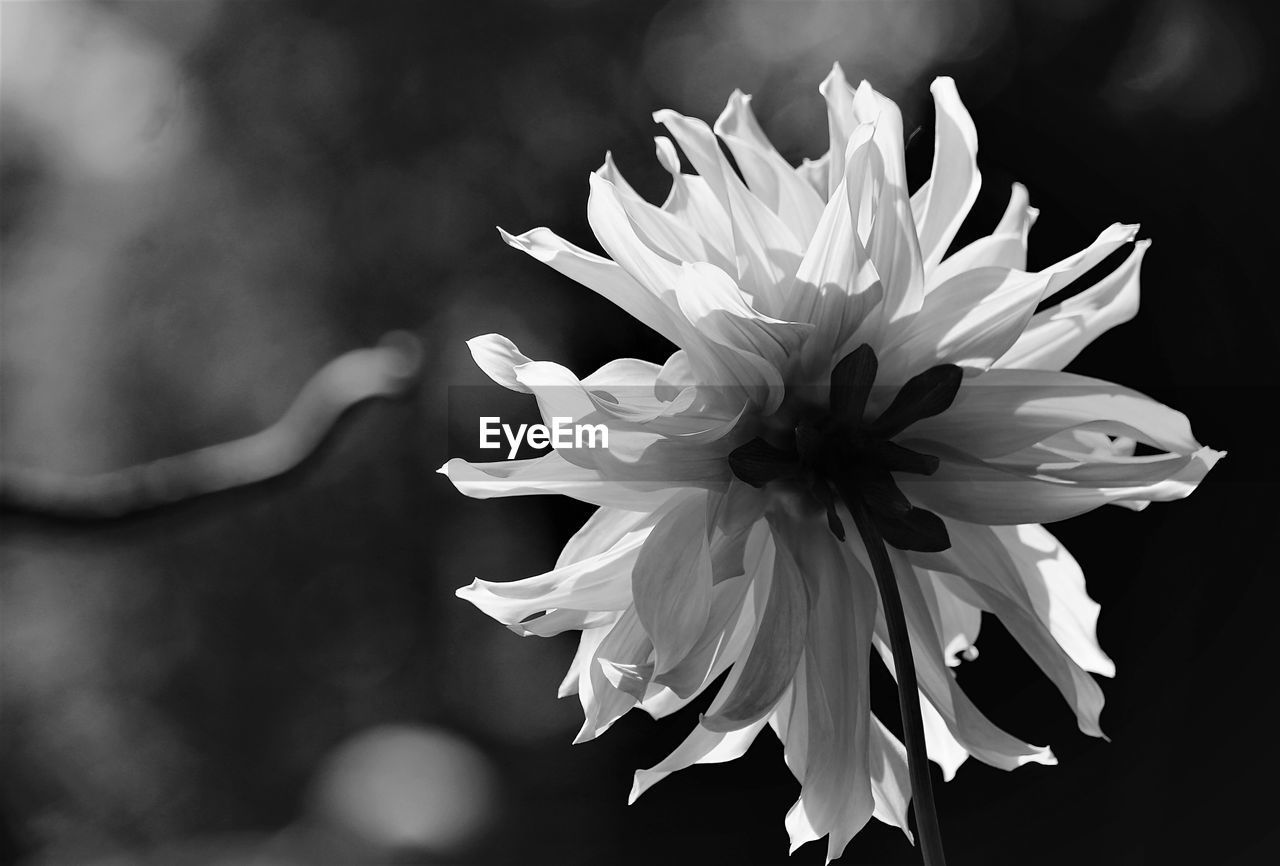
<point x="203" y="202"/>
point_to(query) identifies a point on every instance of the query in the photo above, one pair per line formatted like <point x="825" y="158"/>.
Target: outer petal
<point x="980" y="737"/>
<point x="700" y="747"/>
<point x="890" y="780"/>
<point x="978" y="492"/>
<point x="1055" y="585"/>
<point x="768" y="175"/>
<point x="1005" y="248"/>
<point x="1004" y="411"/>
<point x="602" y="276"/>
<point x="552" y="474"/>
<point x="941" y="205"/>
<point x="974" y="318"/>
<point x="980" y="558"/>
<point x="1055" y="336"/>
<point x="836" y="797"/>
<point x="663" y="231"/>
<point x="598" y="582"/>
<point x="766" y="249"/>
<point x="498" y="357"/>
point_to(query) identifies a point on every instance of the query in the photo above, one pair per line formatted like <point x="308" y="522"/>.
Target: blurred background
<point x="203" y="202"/>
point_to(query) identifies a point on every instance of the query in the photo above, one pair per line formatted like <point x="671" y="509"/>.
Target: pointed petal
<point x="552" y="474"/>
<point x="625" y="644"/>
<point x="700" y="747"/>
<point x="977" y="316"/>
<point x="988" y="493"/>
<point x="766" y="250"/>
<point x="498" y="357"/>
<point x="979" y="736"/>
<point x="953" y="184"/>
<point x="672" y="581"/>
<point x="1056" y="335"/>
<point x="1004" y="411"/>
<point x="768" y="175"/>
<point x="979" y="557"/>
<point x="836" y="792"/>
<point x="890" y="780"/>
<point x="776" y="649"/>
<point x="604" y="277"/>
<point x="1005" y="248"/>
<point x="1055" y="584"/>
<point x="598" y="582"/>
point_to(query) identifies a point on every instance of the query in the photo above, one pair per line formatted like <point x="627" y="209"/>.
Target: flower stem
<point x="926" y="811"/>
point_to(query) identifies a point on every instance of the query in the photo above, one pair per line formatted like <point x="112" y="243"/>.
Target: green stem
<point x="922" y="803"/>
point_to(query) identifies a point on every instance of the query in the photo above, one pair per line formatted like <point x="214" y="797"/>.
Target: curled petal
<point x="979" y="736"/>
<point x="976" y="316"/>
<point x="604" y="277"/>
<point x="598" y="582"/>
<point x="700" y="747"/>
<point x="979" y="557"/>
<point x="1004" y="411"/>
<point x="1005" y="248"/>
<point x="1055" y="336"/>
<point x="992" y="494"/>
<point x="552" y="474"/>
<point x="498" y="357"/>
<point x="946" y="197"/>
<point x="767" y="174"/>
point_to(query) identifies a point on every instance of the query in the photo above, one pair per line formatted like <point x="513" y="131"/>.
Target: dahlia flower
<point x="835" y="370"/>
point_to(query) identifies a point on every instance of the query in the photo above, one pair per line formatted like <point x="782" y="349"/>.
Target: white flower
<point x="722" y="493"/>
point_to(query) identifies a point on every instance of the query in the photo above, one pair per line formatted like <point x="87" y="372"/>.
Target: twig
<point x="385" y="370"/>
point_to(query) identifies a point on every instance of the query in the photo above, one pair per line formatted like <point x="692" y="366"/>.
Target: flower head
<point x="829" y="352"/>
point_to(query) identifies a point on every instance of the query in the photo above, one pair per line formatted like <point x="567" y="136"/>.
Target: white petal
<point x="979" y="557"/>
<point x="693" y="202"/>
<point x="660" y="229"/>
<point x="1004" y="411"/>
<point x="766" y="250"/>
<point x="768" y="175"/>
<point x="700" y="747"/>
<point x="551" y="474"/>
<point x="990" y="494"/>
<point x="672" y="581"/>
<point x="980" y="737"/>
<point x="1005" y="248"/>
<point x="976" y="316"/>
<point x="602" y="276"/>
<point x="958" y="622"/>
<point x="836" y="789"/>
<point x="953" y="185"/>
<point x="598" y="582"/>
<point x="776" y="649"/>
<point x="603" y="704"/>
<point x="941" y="746"/>
<point x="498" y="357"/>
<point x="836" y="286"/>
<point x="890" y="780"/>
<point x="1055" y="584"/>
<point x="1056" y="335"/>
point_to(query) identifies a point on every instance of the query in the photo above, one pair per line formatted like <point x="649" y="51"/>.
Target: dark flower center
<point x="840" y="455"/>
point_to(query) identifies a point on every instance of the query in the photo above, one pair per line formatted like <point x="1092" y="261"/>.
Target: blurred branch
<point x="385" y="370"/>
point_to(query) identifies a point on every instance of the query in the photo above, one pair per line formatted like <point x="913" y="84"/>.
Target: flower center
<point x="840" y="455"/>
